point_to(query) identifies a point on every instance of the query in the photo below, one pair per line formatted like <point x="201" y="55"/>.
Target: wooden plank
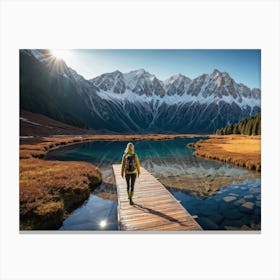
<point x="154" y="209"/>
<point x="152" y="224"/>
<point x="178" y="218"/>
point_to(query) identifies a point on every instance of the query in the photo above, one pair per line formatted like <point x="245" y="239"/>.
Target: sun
<point x="60" y="54"/>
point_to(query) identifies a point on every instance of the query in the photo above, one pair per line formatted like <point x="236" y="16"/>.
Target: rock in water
<point x="239" y="201"/>
<point x="229" y="198"/>
<point x="249" y="196"/>
<point x="233" y="194"/>
<point x="247" y="207"/>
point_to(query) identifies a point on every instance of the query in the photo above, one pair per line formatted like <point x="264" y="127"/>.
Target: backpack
<point x="130" y="164"/>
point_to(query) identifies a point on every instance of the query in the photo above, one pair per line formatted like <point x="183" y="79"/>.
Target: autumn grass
<point x="50" y="190"/>
<point x="240" y="150"/>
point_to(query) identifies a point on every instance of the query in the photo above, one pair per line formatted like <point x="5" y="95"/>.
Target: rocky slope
<point x="133" y="102"/>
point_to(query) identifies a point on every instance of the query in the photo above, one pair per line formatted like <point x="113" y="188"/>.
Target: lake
<point x="222" y="196"/>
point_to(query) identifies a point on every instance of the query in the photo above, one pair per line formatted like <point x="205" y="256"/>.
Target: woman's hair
<point x="129" y="148"/>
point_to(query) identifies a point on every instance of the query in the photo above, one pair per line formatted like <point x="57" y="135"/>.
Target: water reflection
<point x="103" y="224"/>
<point x="171" y="161"/>
<point x="200" y="184"/>
<point x="236" y="207"/>
<point x="96" y="214"/>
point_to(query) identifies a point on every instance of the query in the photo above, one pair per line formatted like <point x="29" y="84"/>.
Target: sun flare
<point x="60" y="54"/>
<point x="103" y="223"/>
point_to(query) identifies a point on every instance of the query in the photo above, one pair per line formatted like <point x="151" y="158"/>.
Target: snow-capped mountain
<point x="177" y="84"/>
<point x="142" y="86"/>
<point x="138" y="101"/>
<point x="139" y="82"/>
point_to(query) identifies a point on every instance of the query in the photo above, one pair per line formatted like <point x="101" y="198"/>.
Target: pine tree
<point x="255" y="127"/>
<point x="251" y="126"/>
<point x="259" y="129"/>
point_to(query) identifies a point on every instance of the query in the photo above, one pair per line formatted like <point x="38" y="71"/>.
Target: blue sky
<point x="244" y="66"/>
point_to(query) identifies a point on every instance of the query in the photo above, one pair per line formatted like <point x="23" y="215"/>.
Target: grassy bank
<point x="240" y="150"/>
<point x="50" y="190"/>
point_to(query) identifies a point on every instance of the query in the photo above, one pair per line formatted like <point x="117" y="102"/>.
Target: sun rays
<point x="60" y="54"/>
<point x="56" y="60"/>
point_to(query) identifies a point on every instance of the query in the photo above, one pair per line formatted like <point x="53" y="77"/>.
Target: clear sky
<point x="244" y="66"/>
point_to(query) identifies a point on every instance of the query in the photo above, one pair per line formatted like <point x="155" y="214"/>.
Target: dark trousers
<point x="130" y="181"/>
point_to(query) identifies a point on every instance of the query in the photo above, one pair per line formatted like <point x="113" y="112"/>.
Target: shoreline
<point x="49" y="210"/>
<point x="51" y="190"/>
<point x="239" y="150"/>
<point x="40" y="146"/>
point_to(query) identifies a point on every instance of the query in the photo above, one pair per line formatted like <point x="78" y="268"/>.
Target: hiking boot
<point x="130" y="201"/>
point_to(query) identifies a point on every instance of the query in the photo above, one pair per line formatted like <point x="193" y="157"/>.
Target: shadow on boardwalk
<point x="158" y="213"/>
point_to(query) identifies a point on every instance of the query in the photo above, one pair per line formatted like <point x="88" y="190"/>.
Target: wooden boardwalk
<point x="154" y="209"/>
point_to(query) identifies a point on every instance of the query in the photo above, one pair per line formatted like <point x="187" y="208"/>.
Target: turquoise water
<point x="216" y="213"/>
<point x="232" y="199"/>
<point x="96" y="214"/>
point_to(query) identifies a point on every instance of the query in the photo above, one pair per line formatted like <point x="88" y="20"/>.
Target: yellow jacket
<point x="137" y="170"/>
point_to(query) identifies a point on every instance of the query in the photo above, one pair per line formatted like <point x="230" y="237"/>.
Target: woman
<point x="130" y="167"/>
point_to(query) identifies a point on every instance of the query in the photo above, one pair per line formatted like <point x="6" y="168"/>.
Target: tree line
<point x="250" y="126"/>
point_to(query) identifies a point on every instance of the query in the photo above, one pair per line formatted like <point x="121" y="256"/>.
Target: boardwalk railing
<point x="154" y="209"/>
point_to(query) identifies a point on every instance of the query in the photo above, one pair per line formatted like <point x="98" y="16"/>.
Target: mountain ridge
<point x="138" y="101"/>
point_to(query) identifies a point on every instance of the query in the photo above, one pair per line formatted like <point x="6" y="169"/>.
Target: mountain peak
<point x="136" y="75"/>
<point x="140" y="72"/>
<point x="216" y="72"/>
<point x="116" y="72"/>
<point x="176" y="77"/>
<point x="137" y="101"/>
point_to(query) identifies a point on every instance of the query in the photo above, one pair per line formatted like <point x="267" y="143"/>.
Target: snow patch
<point x="25" y="137"/>
<point x="34" y="123"/>
<point x="38" y="54"/>
<point x="131" y="97"/>
<point x="26" y="120"/>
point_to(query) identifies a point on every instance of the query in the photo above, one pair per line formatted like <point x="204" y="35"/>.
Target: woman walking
<point x="130" y="168"/>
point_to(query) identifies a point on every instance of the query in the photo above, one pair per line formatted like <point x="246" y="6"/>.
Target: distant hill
<point x="32" y="124"/>
<point x="250" y="126"/>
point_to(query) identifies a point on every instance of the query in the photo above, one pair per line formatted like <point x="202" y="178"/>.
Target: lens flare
<point x="103" y="223"/>
<point x="60" y="54"/>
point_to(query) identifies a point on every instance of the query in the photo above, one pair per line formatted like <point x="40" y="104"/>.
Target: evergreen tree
<point x="251" y="126"/>
<point x="259" y="129"/>
<point x="255" y="127"/>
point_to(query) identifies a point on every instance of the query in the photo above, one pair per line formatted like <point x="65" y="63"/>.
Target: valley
<point x="73" y="129"/>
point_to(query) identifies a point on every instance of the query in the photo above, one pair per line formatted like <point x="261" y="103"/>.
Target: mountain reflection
<point x="170" y="161"/>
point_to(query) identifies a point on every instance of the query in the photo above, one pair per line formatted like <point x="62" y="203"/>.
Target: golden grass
<point x="51" y="189"/>
<point x="240" y="150"/>
<point x="243" y="146"/>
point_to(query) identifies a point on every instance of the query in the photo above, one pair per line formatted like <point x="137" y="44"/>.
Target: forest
<point x="249" y="126"/>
